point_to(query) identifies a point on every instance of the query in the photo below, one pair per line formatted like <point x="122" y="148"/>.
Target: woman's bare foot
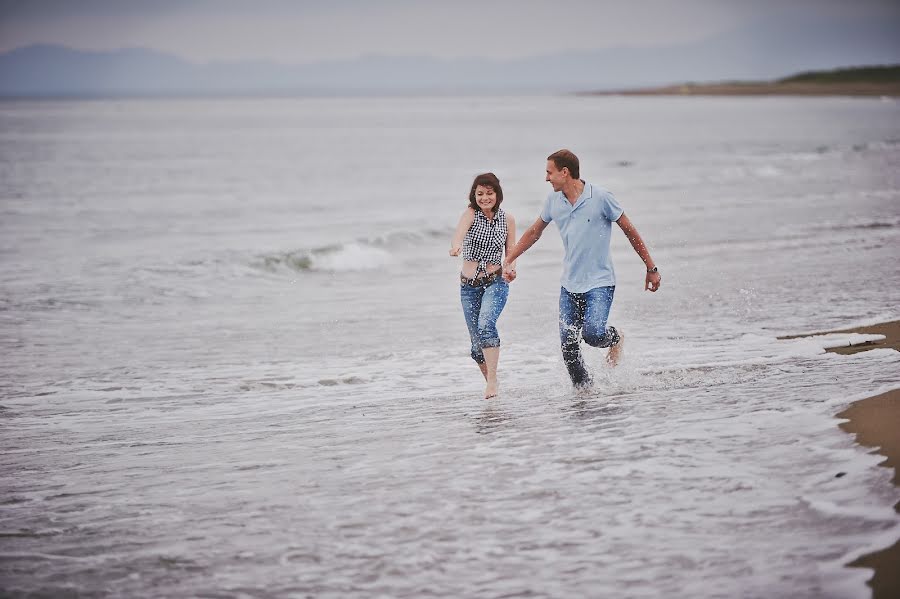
<point x="491" y="390"/>
<point x="614" y="355"/>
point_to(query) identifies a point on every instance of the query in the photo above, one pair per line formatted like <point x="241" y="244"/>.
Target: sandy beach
<point x="876" y="423"/>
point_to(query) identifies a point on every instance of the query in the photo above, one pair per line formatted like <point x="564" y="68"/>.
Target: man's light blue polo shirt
<point x="586" y="229"/>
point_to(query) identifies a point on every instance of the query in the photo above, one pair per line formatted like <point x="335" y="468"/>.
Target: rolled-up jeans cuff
<point x="613" y="336"/>
<point x="610" y="338"/>
<point x="490" y="343"/>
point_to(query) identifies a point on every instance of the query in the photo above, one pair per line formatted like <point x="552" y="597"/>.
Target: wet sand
<point x="876" y="423"/>
<point x="890" y="330"/>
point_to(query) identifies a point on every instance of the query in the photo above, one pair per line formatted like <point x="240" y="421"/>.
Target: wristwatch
<point x="650" y="271"/>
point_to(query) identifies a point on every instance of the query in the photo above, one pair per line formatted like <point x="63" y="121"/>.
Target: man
<point x="584" y="214"/>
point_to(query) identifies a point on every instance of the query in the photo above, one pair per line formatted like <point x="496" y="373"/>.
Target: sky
<point x="301" y="31"/>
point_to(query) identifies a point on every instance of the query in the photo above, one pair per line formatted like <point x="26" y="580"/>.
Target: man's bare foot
<point x="585" y="390"/>
<point x="491" y="390"/>
<point x="614" y="355"/>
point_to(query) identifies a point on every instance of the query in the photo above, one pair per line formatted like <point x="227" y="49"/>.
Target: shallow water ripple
<point x="549" y="494"/>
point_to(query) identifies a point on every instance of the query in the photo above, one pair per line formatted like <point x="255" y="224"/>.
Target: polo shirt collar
<point x="586" y="194"/>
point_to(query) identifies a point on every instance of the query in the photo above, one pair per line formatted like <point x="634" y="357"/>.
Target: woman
<point x="483" y="233"/>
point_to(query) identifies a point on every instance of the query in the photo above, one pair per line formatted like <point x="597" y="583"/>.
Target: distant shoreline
<point x="891" y="89"/>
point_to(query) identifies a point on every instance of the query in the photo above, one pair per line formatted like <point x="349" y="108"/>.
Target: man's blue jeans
<point x="482" y="307"/>
<point x="584" y="314"/>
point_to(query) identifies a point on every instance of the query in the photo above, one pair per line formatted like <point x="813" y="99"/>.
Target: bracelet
<point x="653" y="270"/>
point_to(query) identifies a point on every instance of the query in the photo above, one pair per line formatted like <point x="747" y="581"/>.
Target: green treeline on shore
<point x="871" y="74"/>
<point x="855" y="81"/>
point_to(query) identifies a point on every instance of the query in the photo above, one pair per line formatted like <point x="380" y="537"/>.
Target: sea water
<point x="234" y="361"/>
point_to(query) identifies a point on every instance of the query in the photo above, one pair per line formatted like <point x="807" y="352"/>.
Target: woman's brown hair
<point x="486" y="180"/>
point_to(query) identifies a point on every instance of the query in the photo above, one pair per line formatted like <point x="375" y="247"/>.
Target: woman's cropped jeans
<point x="482" y="307"/>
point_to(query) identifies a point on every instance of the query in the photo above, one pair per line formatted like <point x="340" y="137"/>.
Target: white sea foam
<point x="351" y="257"/>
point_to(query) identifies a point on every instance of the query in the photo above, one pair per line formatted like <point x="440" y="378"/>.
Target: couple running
<point x="584" y="214"/>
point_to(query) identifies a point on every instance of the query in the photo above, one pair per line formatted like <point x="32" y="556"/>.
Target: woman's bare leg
<point x="483" y="367"/>
<point x="491" y="358"/>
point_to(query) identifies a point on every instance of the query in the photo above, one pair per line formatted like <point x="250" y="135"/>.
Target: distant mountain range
<point x="760" y="51"/>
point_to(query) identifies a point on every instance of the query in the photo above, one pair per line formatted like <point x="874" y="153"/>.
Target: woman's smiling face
<point x="485" y="197"/>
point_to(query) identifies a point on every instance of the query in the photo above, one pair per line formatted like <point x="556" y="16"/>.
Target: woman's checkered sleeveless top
<point x="485" y="240"/>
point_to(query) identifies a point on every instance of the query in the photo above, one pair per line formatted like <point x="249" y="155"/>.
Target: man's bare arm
<point x="653" y="278"/>
<point x="528" y="239"/>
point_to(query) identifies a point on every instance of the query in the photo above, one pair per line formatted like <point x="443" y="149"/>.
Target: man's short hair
<point x="566" y="159"/>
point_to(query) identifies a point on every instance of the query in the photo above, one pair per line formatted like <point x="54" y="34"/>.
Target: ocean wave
<point x="333" y="258"/>
<point x="886" y="144"/>
<point x="862" y="224"/>
<point x="402" y="239"/>
<point x="787" y="158"/>
<point x="362" y="254"/>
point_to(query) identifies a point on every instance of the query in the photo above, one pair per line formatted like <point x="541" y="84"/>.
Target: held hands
<point x="509" y="272"/>
<point x="652" y="281"/>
